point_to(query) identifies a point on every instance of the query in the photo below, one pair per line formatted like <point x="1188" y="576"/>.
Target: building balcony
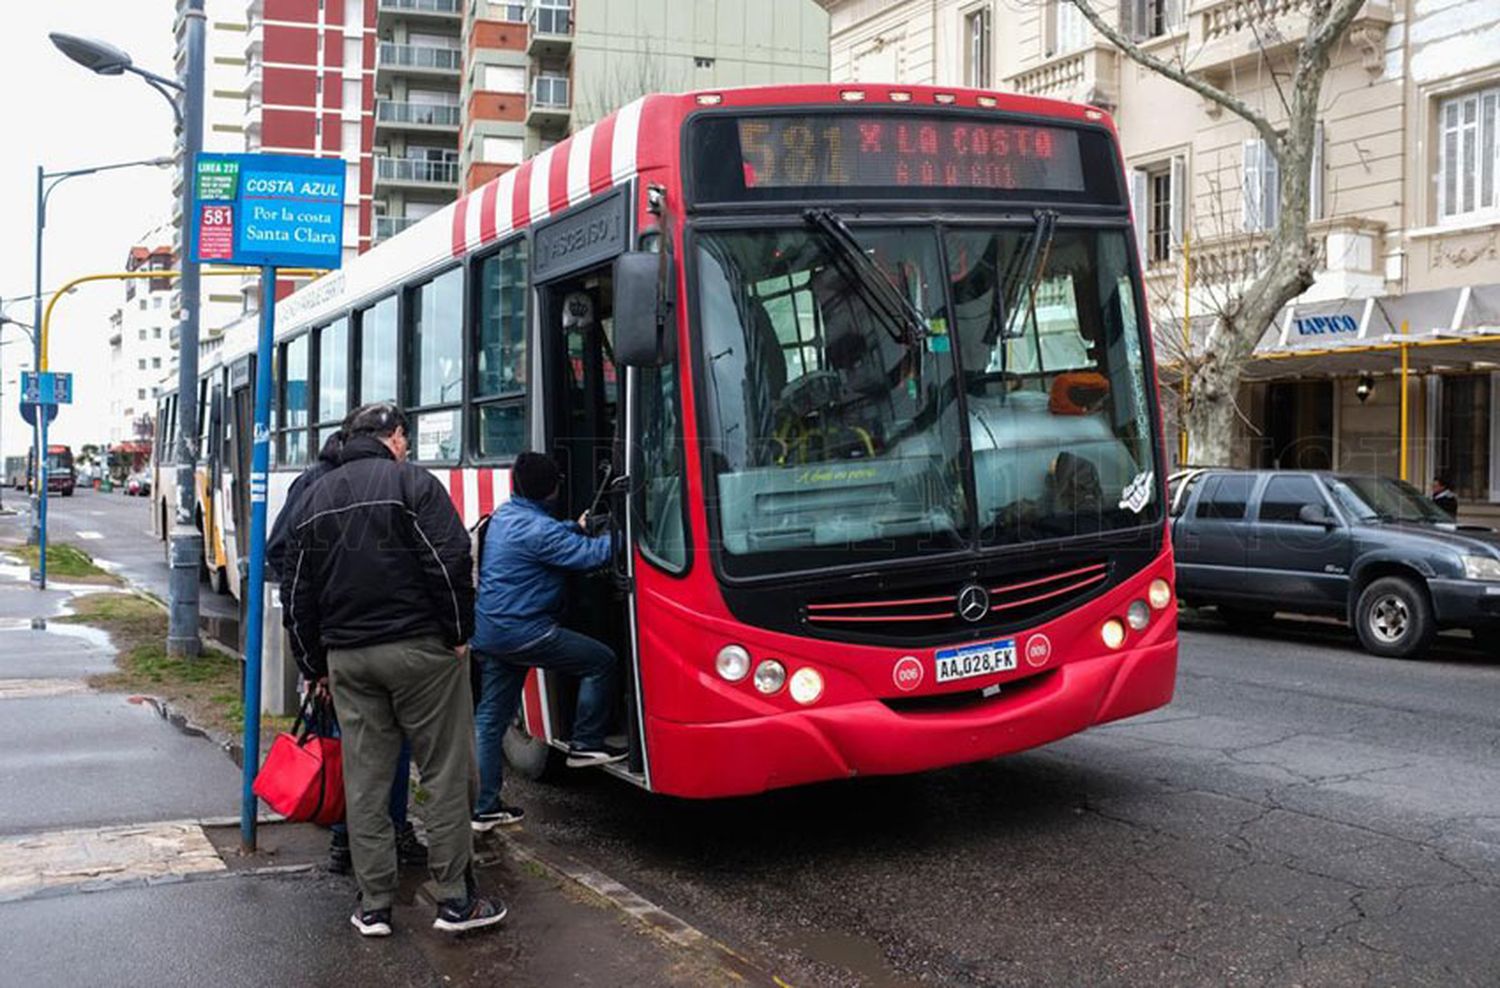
<point x="415" y="173"/>
<point x="424" y="11"/>
<point x="387" y="227"/>
<point x="1089" y="75"/>
<point x="430" y="118"/>
<point x="549" y="32"/>
<point x="429" y="61"/>
<point x="550" y="102"/>
<point x="1226" y="34"/>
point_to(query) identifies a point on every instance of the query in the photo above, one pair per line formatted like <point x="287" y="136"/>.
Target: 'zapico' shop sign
<point x="269" y="210"/>
<point x="1325" y="325"/>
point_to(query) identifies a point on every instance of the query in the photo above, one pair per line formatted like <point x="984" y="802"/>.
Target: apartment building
<point x="537" y="71"/>
<point x="1405" y="212"/>
<point x="141" y="352"/>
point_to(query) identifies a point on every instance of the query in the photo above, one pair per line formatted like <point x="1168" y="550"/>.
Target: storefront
<point x="1324" y="390"/>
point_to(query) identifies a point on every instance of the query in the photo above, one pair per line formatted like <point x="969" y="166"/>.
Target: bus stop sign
<point x="271" y="210"/>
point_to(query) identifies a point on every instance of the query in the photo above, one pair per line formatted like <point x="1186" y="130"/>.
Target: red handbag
<point x="302" y="777"/>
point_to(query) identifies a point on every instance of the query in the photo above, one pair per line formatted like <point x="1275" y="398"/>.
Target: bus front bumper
<point x="873" y="737"/>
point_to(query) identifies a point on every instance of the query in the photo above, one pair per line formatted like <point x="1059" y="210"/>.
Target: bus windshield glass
<point x="836" y="438"/>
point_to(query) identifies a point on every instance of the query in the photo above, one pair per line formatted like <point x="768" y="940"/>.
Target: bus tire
<point x="532" y="757"/>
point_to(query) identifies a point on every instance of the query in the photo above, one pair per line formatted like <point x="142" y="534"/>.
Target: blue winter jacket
<point x="521" y="568"/>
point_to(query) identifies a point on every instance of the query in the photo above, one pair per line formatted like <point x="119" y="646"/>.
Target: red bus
<point x="864" y="376"/>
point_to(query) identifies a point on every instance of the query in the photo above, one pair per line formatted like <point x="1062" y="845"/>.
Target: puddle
<point x="855" y="954"/>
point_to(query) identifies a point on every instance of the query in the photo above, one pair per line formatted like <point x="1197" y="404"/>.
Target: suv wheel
<point x="1393" y="618"/>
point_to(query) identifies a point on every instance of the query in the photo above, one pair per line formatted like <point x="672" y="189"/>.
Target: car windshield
<point x="835" y="432"/>
<point x="1385" y="499"/>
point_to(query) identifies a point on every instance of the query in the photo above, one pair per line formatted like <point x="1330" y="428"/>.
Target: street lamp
<point x="185" y="543"/>
<point x="45" y="182"/>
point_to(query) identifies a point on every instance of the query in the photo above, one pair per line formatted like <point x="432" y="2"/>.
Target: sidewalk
<point x="119" y="861"/>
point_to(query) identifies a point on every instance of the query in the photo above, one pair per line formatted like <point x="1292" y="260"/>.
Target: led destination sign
<point x="777" y="152"/>
<point x="918" y="155"/>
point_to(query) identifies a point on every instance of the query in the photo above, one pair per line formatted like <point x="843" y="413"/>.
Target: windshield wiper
<point x="910" y="329"/>
<point x="1023" y="274"/>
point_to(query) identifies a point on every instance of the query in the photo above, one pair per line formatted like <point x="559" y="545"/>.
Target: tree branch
<point x="1207" y="90"/>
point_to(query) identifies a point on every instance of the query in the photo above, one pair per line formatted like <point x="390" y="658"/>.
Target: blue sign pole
<point x="41" y="504"/>
<point x="260" y="463"/>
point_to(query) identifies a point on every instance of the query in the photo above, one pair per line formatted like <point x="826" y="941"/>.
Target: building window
<point x="333" y="377"/>
<point x="500" y="353"/>
<point x="140" y="394"/>
<point x="977" y="48"/>
<point x="1141" y="19"/>
<point x="503" y="150"/>
<point x="434" y="367"/>
<point x="553" y="16"/>
<point x="292" y="447"/>
<point x="142" y="334"/>
<point x="550" y="89"/>
<point x="702" y="62"/>
<point x="1464" y="435"/>
<point x="1261" y="189"/>
<point x="1070" y="31"/>
<point x="156" y="363"/>
<point x="1467" y="155"/>
<point x="504" y="78"/>
<point x="378" y="338"/>
<point x="156" y="332"/>
<point x="512" y="12"/>
<point x="140" y="364"/>
<point x="1158" y="198"/>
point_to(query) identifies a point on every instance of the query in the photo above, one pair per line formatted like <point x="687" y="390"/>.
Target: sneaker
<point x="372" y="922"/>
<point x="339" y="860"/>
<point x="458" y="915"/>
<point x="409" y="847"/>
<point x="582" y="756"/>
<point x="503" y="816"/>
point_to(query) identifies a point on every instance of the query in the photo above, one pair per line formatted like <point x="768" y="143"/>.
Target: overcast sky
<point x="57" y="114"/>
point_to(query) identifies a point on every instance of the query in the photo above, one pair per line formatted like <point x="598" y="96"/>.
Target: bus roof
<point x="642" y="136"/>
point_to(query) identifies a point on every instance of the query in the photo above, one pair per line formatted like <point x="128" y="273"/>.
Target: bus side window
<point x="500" y="354"/>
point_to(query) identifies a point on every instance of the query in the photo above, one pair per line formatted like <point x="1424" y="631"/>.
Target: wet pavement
<point x="1301" y="814"/>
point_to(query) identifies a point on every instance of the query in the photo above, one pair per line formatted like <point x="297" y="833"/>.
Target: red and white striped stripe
<point x="475" y="491"/>
<point x="593" y="160"/>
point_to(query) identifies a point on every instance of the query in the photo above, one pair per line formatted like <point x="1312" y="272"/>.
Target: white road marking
<point x="90" y="535"/>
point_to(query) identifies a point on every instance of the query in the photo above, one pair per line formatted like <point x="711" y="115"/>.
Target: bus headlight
<point x="732" y="663"/>
<point x="770" y="676"/>
<point x="806" y="685"/>
<point x="1138" y="615"/>
<point x="1113" y="633"/>
<point x="1159" y="593"/>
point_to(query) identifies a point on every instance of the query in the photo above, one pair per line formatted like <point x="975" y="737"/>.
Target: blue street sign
<point x="28" y="412"/>
<point x="269" y="210"/>
<point x="47" y="389"/>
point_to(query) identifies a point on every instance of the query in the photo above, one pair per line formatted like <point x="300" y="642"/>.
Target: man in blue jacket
<point x="523" y="564"/>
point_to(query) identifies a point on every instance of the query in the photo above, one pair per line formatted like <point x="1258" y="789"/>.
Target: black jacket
<point x="377" y="554"/>
<point x="328" y="461"/>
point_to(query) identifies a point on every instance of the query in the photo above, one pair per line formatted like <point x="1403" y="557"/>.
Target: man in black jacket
<point x="409" y="848"/>
<point x="379" y="592"/>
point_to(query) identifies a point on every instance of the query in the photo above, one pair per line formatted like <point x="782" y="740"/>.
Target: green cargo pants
<point x="419" y="688"/>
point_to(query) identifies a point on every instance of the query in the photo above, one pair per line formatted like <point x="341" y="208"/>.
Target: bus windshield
<point x="835" y="435"/>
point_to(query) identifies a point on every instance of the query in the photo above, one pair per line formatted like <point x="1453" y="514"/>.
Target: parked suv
<point x="1370" y="550"/>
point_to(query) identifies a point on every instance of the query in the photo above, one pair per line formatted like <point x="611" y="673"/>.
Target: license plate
<point x="980" y="659"/>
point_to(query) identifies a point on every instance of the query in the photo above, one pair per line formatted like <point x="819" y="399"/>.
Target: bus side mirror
<point x="643" y="327"/>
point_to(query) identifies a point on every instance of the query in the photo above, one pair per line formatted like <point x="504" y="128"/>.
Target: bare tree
<point x="1286" y="269"/>
<point x="629" y="77"/>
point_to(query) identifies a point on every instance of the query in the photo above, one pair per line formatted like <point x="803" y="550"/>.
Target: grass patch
<point x="64" y="562"/>
<point x="206" y="688"/>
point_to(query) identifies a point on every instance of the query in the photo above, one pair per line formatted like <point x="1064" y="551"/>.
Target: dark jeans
<point x="501" y="679"/>
<point x="400" y="792"/>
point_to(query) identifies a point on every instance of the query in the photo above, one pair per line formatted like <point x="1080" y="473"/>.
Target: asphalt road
<point x="1301" y="814"/>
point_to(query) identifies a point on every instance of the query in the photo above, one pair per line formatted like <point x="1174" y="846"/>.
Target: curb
<point x="656" y="920"/>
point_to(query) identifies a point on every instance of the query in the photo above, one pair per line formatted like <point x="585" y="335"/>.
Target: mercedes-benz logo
<point x="973" y="603"/>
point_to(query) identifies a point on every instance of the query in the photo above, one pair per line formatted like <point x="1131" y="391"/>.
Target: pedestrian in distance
<point x="526" y="555"/>
<point x="381" y="595"/>
<point x="409" y="848"/>
<point x="1444" y="495"/>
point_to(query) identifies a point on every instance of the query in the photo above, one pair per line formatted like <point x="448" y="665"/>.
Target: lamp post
<point x="185" y="542"/>
<point x="45" y="182"/>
